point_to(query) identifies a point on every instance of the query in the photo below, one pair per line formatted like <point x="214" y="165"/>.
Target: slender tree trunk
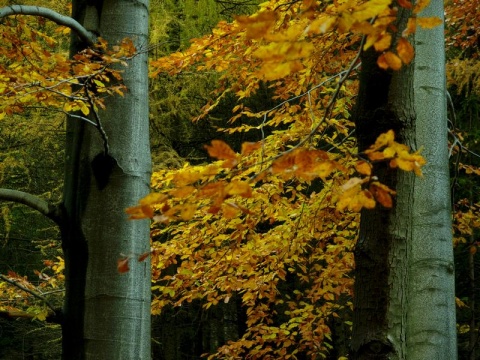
<point x="99" y="186"/>
<point x="431" y="330"/>
<point x="74" y="245"/>
<point x="404" y="289"/>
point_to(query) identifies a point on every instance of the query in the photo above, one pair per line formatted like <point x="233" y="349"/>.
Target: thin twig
<point x="103" y="134"/>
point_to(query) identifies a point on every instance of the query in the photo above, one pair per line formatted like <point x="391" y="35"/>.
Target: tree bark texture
<point x="431" y="331"/>
<point x="99" y="187"/>
<point x="404" y="290"/>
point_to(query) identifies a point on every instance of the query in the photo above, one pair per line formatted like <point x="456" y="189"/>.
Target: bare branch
<point x="43" y="207"/>
<point x="87" y="36"/>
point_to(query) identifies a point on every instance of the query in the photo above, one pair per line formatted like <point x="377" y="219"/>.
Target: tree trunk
<point x="431" y="331"/>
<point x="99" y="187"/>
<point x="404" y="284"/>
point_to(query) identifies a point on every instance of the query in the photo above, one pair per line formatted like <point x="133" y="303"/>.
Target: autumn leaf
<point x="405" y="4"/>
<point x="382" y="194"/>
<point x="389" y="60"/>
<point x="230" y="210"/>
<point x="410" y="28"/>
<point x="429" y="22"/>
<point x="249" y="147"/>
<point x="220" y="150"/>
<point x="363" y="167"/>
<point x="237" y="187"/>
<point x="122" y="265"/>
<point x="405" y="51"/>
<point x="420" y="5"/>
<point x="182" y="192"/>
<point x="187" y="212"/>
<point x="144" y="256"/>
<point x="370" y="9"/>
<point x="257" y="25"/>
<point x="278" y="70"/>
<point x="383" y="43"/>
<point x="383" y="140"/>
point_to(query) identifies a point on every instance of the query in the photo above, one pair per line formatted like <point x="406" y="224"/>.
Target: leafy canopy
<point x="271" y="224"/>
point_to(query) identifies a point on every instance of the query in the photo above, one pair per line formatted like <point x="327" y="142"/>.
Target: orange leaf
<point x="220" y="150"/>
<point x="473" y="250"/>
<point x="363" y="168"/>
<point x="230" y="210"/>
<point x="420" y="5"/>
<point x="147" y="210"/>
<point x="411" y="27"/>
<point x="182" y="192"/>
<point x="405" y="51"/>
<point x="381" y="195"/>
<point x="249" y="147"/>
<point x="122" y="265"/>
<point x="390" y="60"/>
<point x="429" y="22"/>
<point x="143" y="256"/>
<point x="405" y="4"/>
<point x="138" y="212"/>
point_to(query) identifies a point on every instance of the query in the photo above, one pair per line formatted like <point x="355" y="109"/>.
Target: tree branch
<point x="43" y="207"/>
<point x="85" y="35"/>
<point x="31" y="292"/>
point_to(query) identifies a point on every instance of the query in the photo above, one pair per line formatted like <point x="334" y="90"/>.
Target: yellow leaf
<point x="84" y="109"/>
<point x="384" y="43"/>
<point x="153" y="198"/>
<point x="274" y="71"/>
<point x="370" y="9"/>
<point x="187" y="212"/>
<point x="389" y="152"/>
<point x="384" y="139"/>
<point x="429" y="22"/>
<point x="258" y="25"/>
<point x="237" y="187"/>
<point x="321" y="24"/>
<point x="67" y="107"/>
<point x="284" y="51"/>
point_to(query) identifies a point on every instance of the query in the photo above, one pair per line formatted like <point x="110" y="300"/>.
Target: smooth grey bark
<point x="404" y="289"/>
<point x="117" y="306"/>
<point x="431" y="329"/>
<point x="106" y="315"/>
<point x="43" y="207"/>
<point x="47" y="13"/>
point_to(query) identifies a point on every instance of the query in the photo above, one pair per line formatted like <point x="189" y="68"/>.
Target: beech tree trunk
<point x="404" y="289"/>
<point x="107" y="314"/>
